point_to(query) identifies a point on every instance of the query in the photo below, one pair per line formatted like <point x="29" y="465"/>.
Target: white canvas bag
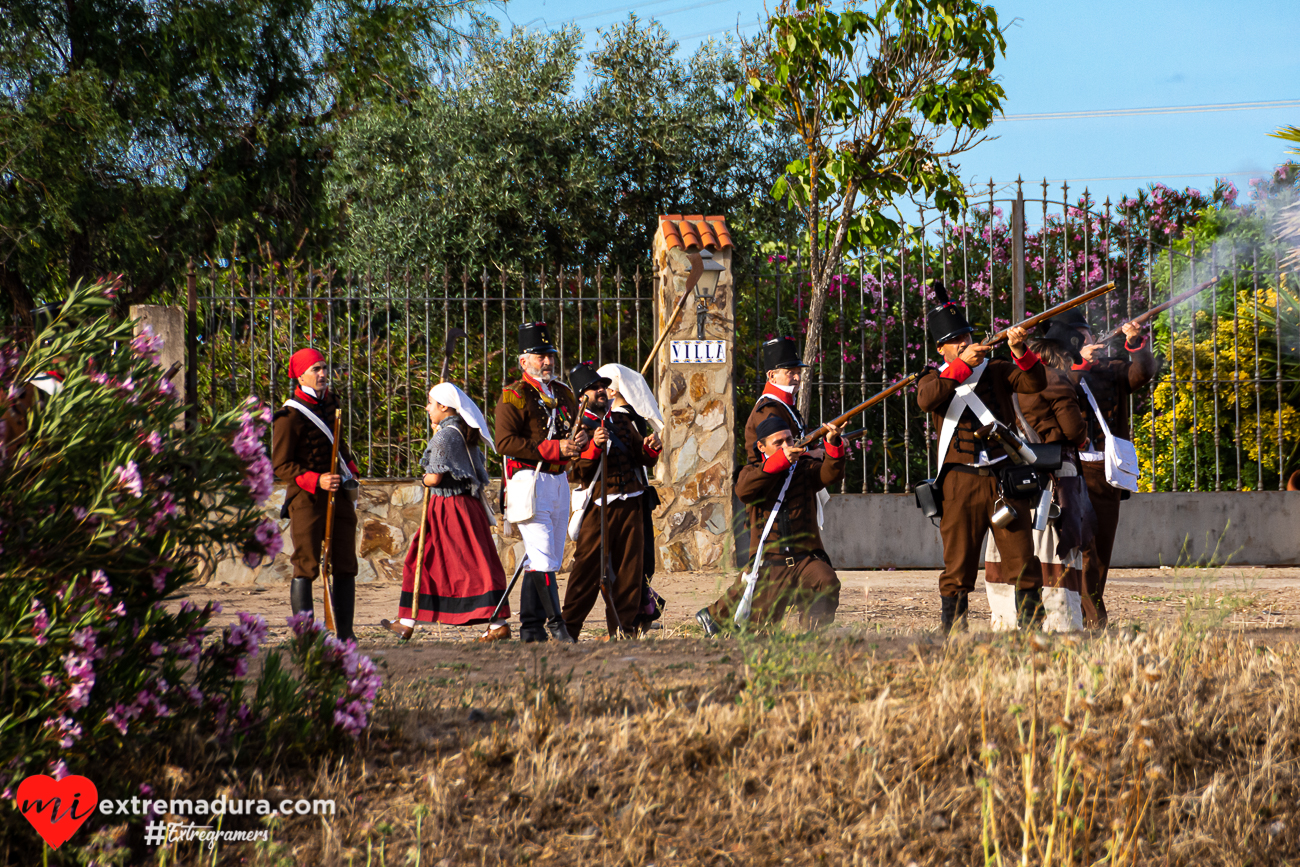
<point x="1122" y="468"/>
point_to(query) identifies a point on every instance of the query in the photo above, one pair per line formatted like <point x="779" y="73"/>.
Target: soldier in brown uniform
<point x="1051" y="416"/>
<point x="301" y="445"/>
<point x="784" y="371"/>
<point x="792" y="562"/>
<point x="968" y="477"/>
<point x="532" y="432"/>
<point x="626" y="453"/>
<point x="1112" y="381"/>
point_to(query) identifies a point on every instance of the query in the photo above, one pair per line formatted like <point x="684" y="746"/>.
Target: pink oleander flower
<point x="40" y="624"/>
<point x="154" y="442"/>
<point x="247" y="635"/>
<point x="147" y="345"/>
<point x="59" y="770"/>
<point x="69" y="731"/>
<point x="128" y="477"/>
<point x="99" y="582"/>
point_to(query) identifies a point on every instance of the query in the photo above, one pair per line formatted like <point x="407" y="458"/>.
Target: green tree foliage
<point x="136" y="135"/>
<point x="504" y="164"/>
<point x="880" y="99"/>
<point x="108" y="510"/>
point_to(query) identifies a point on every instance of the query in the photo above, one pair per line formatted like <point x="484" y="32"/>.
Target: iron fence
<point x="1221" y="414"/>
<point x="384" y="339"/>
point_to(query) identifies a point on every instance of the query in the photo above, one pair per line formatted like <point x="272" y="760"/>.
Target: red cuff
<point x="957" y="370"/>
<point x="1082" y="365"/>
<point x="309" y="482"/>
<point x="550" y="452"/>
<point x="834" y="451"/>
<point x="592" y="452"/>
<point x="1028" y="360"/>
<point x="777" y="463"/>
<point x="654" y="453"/>
<point x="356" y="470"/>
<point x="1137" y="348"/>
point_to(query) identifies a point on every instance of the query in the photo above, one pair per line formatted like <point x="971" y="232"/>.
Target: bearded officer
<point x="967" y="477"/>
<point x="532" y="431"/>
<point x="1112" y="381"/>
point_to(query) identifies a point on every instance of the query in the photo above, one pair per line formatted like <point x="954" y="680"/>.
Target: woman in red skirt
<point x="461" y="579"/>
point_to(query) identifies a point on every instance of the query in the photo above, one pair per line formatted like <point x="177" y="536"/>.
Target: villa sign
<point x="698" y="352"/>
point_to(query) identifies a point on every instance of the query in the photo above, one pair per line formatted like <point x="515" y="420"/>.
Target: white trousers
<point x="544" y="533"/>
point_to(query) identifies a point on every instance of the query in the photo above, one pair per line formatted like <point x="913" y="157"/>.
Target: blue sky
<point x="1075" y="57"/>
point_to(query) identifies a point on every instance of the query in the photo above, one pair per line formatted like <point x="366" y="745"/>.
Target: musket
<point x="606" y="571"/>
<point x="1161" y="308"/>
<point x="866" y="404"/>
<point x="329" y="531"/>
<point x="453" y="334"/>
<point x="1052" y="312"/>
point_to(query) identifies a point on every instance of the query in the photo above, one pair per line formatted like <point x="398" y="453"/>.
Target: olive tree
<point x="881" y="98"/>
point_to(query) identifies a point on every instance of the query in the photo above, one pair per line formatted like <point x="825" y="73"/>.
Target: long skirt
<point x="461" y="579"/>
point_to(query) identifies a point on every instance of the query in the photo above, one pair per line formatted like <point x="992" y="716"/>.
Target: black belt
<point x="970" y="469"/>
<point x="787" y="559"/>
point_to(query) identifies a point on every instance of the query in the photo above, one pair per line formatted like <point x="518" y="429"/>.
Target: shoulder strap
<point x="315" y="419"/>
<point x="751" y="578"/>
<point x="1101" y="419"/>
<point x="964" y="397"/>
<point x="329" y="434"/>
<point x="794" y="413"/>
<point x="1026" y="429"/>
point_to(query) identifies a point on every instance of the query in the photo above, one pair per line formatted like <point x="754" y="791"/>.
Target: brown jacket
<point x="1054" y="412"/>
<point x="1111" y="382"/>
<point x="762" y="409"/>
<point x="621" y="465"/>
<point x="520" y="429"/>
<point x="934" y="392"/>
<point x="795" y="530"/>
<point x="300" y="451"/>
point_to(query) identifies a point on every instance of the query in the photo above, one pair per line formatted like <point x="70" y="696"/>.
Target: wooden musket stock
<point x="1161" y="308"/>
<point x="329" y="529"/>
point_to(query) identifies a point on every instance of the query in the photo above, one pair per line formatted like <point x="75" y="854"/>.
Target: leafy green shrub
<point x="106" y="509"/>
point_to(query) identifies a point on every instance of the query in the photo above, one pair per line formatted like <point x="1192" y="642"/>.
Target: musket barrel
<point x="866" y="404"/>
<point x="1053" y="312"/>
<point x="1143" y="318"/>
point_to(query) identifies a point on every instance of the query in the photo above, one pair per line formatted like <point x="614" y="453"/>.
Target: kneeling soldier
<point x="794" y="567"/>
<point x="626" y="453"/>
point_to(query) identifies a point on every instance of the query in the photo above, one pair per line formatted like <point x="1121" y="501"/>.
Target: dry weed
<point x="1173" y="748"/>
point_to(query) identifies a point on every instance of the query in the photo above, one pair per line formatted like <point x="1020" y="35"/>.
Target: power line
<point x="1153" y="110"/>
<point x="1258" y="174"/>
<point x="717" y="30"/>
<point x="659" y="15"/>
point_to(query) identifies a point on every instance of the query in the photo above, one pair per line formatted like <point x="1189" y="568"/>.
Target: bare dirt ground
<point x="898" y="609"/>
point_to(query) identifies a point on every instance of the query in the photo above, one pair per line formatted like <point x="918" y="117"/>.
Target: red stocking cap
<point x="301" y="360"/>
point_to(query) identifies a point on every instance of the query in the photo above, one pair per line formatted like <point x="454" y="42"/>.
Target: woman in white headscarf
<point x="631" y="394"/>
<point x="460" y="580"/>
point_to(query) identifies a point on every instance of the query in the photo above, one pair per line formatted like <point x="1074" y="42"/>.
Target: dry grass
<point x="1173" y="748"/>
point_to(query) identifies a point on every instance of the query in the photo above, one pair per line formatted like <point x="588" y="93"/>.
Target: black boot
<point x="300" y="595"/>
<point x="344" y="596"/>
<point x="548" y="592"/>
<point x="531" y="620"/>
<point x="952" y="614"/>
<point x="1029" y="608"/>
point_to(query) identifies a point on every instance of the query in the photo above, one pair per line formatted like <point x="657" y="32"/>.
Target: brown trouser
<point x="624" y="526"/>
<point x="1096" y="557"/>
<point x="968" y="504"/>
<point x="810" y="585"/>
<point x="307" y="529"/>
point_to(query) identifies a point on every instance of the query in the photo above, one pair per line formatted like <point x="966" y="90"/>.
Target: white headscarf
<point x="448" y="394"/>
<point x="635" y="390"/>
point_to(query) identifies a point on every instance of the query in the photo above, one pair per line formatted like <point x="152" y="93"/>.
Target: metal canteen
<point x="1003" y="515"/>
<point x="1044" y="512"/>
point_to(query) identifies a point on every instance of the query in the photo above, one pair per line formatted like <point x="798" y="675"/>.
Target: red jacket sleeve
<point x="777" y="463"/>
<point x="550" y="452"/>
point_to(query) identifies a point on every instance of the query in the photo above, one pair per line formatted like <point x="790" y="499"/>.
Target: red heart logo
<point x="57" y="808"/>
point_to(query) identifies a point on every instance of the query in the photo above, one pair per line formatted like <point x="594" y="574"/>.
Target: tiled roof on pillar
<point x="694" y="231"/>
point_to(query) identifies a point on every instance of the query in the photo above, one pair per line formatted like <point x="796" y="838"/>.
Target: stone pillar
<point x="692" y="526"/>
<point x="168" y="323"/>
